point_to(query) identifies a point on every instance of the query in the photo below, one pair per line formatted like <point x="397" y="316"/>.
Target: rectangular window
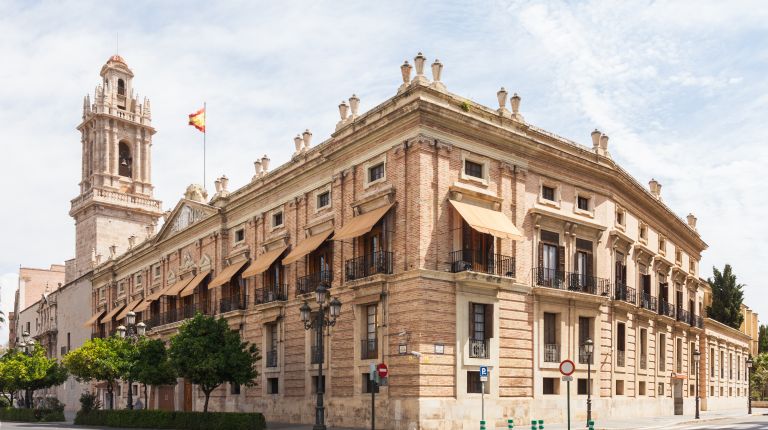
<point x="368" y="385"/>
<point x="376" y="172"/>
<point x="712" y="362"/>
<point x="722" y="364"/>
<point x="478" y="321"/>
<point x="662" y="246"/>
<point x="157" y="271"/>
<point x="277" y="219"/>
<point x="678" y="256"/>
<point x="661" y="389"/>
<point x="641" y="388"/>
<point x="473" y="169"/>
<point x="551" y="343"/>
<point x="239" y="235"/>
<point x="370" y="324"/>
<point x="619" y="387"/>
<point x="581" y="386"/>
<point x="643" y="348"/>
<point x="550" y="386"/>
<point x="662" y="347"/>
<point x="679" y="356"/>
<point x="474" y="385"/>
<point x="620" y="344"/>
<point x="619" y="217"/>
<point x="730" y="366"/>
<point x="273" y="385"/>
<point x="323" y="199"/>
<point x="583" y="203"/>
<point x="547" y="193"/>
<point x="585" y="332"/>
<point x="234" y="388"/>
<point x="643" y="232"/>
<point x="691" y="390"/>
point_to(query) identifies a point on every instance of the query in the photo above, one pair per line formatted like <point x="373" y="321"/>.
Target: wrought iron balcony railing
<point x="233" y="303"/>
<point x="309" y="283"/>
<point x="698" y="321"/>
<point x="478" y="348"/>
<point x="272" y="358"/>
<point x="626" y="294"/>
<point x="368" y="265"/>
<point x="369" y="349"/>
<point x="472" y="260"/>
<point x="275" y="293"/>
<point x="551" y="353"/>
<point x="571" y="281"/>
<point x="666" y="309"/>
<point x="683" y="315"/>
<point x="649" y="302"/>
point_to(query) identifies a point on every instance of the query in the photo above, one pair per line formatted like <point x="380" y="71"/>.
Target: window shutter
<point x="647" y="284"/>
<point x="618" y="272"/>
<point x="488" y="321"/>
<point x="590" y="262"/>
<point x="541" y="255"/>
<point x="624" y="274"/>
<point x="561" y="259"/>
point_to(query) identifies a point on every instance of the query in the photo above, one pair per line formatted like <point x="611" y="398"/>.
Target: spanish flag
<point x="197" y="120"/>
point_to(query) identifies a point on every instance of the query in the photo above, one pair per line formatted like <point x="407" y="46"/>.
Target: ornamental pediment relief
<point x="186" y="214"/>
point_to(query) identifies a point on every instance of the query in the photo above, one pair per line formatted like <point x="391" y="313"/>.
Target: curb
<point x="679" y="423"/>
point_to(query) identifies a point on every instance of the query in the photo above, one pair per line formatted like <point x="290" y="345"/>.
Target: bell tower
<point x="115" y="201"/>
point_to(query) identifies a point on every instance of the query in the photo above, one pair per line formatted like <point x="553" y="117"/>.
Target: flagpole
<point x="205" y="130"/>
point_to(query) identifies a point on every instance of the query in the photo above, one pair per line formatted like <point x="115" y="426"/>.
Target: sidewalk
<point x="649" y="423"/>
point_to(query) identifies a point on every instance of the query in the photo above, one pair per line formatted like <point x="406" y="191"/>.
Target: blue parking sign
<point x="483" y="371"/>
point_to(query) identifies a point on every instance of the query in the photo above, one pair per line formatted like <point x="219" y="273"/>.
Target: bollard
<point x="591" y="425"/>
<point x="541" y="424"/>
<point x="482" y="425"/>
<point x="533" y="425"/>
<point x="510" y="424"/>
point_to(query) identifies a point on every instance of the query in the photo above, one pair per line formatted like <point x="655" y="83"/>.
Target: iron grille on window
<point x="478" y="348"/>
<point x="552" y="353"/>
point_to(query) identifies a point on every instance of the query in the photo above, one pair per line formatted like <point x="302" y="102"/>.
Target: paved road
<point x="751" y="423"/>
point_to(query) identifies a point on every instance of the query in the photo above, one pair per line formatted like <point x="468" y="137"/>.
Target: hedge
<point x="172" y="420"/>
<point x="30" y="415"/>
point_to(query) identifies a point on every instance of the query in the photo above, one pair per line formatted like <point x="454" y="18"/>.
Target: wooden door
<point x="187" y="396"/>
<point x="165" y="398"/>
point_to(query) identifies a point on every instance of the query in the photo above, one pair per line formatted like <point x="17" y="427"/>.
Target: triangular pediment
<point x="186" y="214"/>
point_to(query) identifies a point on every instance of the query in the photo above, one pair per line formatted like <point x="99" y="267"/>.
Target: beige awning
<point x="226" y="274"/>
<point x="190" y="288"/>
<point x="488" y="221"/>
<point x="131" y="306"/>
<point x="141" y="307"/>
<point x="108" y="317"/>
<point x="92" y="320"/>
<point x="361" y="224"/>
<point x="176" y="288"/>
<point x="306" y="246"/>
<point x="263" y="262"/>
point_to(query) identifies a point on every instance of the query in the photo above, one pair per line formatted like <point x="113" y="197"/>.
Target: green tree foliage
<point x="208" y="353"/>
<point x="13" y="373"/>
<point x="22" y="372"/>
<point x="762" y="339"/>
<point x="151" y="365"/>
<point x="758" y="382"/>
<point x="727" y="297"/>
<point x="106" y="360"/>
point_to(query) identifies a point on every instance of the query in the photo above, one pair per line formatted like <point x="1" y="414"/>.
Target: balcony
<point x="471" y="260"/>
<point x="316" y="356"/>
<point x="369" y="349"/>
<point x="233" y="303"/>
<point x="649" y="302"/>
<point x="620" y="358"/>
<point x="577" y="282"/>
<point x="585" y="358"/>
<point x="626" y="294"/>
<point x="272" y="358"/>
<point x="478" y="348"/>
<point x="683" y="315"/>
<point x="697" y="321"/>
<point x="666" y="309"/>
<point x="551" y="353"/>
<point x="275" y="293"/>
<point x="368" y="265"/>
<point x="309" y="283"/>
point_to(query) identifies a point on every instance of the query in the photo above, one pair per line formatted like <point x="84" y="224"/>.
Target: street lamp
<point x="319" y="323"/>
<point x="697" y="359"/>
<point x="589" y="348"/>
<point x="749" y="385"/>
<point x="132" y="333"/>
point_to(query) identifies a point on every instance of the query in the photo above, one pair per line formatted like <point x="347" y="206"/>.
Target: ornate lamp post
<point x="749" y="385"/>
<point x="589" y="348"/>
<point x="132" y="333"/>
<point x="319" y="323"/>
<point x="696" y="360"/>
<point x="27" y="347"/>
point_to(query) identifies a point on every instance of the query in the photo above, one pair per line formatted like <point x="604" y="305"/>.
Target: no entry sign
<point x="383" y="370"/>
<point x="567" y="367"/>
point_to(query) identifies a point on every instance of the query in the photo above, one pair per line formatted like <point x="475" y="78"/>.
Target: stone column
<point x="137" y="160"/>
<point x="147" y="141"/>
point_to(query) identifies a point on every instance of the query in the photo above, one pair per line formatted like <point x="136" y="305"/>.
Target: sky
<point x="680" y="87"/>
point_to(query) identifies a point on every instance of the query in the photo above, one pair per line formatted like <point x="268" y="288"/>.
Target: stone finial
<point x="97" y="260"/>
<point x="217" y="186"/>
<point x="112" y="252"/>
<point x="307" y="137"/>
<point x="150" y="230"/>
<point x="224" y="183"/>
<point x="405" y="70"/>
<point x="166" y="215"/>
<point x="501" y="96"/>
<point x="196" y="193"/>
<point x="655" y="188"/>
<point x="354" y="105"/>
<point x="604" y="144"/>
<point x="265" y="163"/>
<point x="692" y="221"/>
<point x="131" y="241"/>
<point x="297" y="142"/>
<point x="437" y="72"/>
<point x="595" y="139"/>
<point x="515" y="103"/>
<point x="419" y="61"/>
<point x="343" y="110"/>
<point x="257" y="167"/>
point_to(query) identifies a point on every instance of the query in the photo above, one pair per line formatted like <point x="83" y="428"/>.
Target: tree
<point x="41" y="372"/>
<point x="208" y="353"/>
<point x="759" y="378"/>
<point x="762" y="339"/>
<point x="13" y="372"/>
<point x="727" y="297"/>
<point x="151" y="365"/>
<point x="106" y="360"/>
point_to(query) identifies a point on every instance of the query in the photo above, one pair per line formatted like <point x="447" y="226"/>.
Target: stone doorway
<point x="677" y="395"/>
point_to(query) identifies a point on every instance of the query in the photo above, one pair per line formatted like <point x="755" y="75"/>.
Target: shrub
<point x="89" y="402"/>
<point x="172" y="420"/>
<point x="30" y="415"/>
<point x="4" y="402"/>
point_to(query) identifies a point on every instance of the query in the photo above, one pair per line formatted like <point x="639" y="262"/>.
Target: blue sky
<point x="681" y="87"/>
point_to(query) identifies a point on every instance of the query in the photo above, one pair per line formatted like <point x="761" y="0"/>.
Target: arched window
<point x="125" y="161"/>
<point x="120" y="87"/>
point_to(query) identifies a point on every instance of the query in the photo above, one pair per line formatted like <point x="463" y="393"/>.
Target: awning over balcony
<point x="131" y="306"/>
<point x="306" y="246"/>
<point x="361" y="224"/>
<point x="108" y="317"/>
<point x="190" y="288"/>
<point x="177" y="287"/>
<point x="263" y="262"/>
<point x="226" y="274"/>
<point x="487" y="221"/>
<point x="92" y="320"/>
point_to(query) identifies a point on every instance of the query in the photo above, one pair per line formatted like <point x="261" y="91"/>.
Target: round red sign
<point x="567" y="367"/>
<point x="382" y="369"/>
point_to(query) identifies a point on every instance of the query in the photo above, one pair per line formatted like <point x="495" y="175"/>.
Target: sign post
<point x="483" y="380"/>
<point x="378" y="376"/>
<point x="567" y="367"/>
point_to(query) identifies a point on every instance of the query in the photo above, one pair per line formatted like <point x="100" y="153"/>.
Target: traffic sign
<point x="483" y="374"/>
<point x="383" y="370"/>
<point x="567" y="378"/>
<point x="567" y="367"/>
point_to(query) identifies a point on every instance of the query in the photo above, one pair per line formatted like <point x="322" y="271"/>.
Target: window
<point x="271" y="338"/>
<point x="315" y="387"/>
<point x="712" y="391"/>
<point x="662" y="246"/>
<point x="678" y="256"/>
<point x="691" y="390"/>
<point x="550" y="385"/>
<point x="619" y="387"/>
<point x="323" y="199"/>
<point x="369" y="385"/>
<point x="551" y="259"/>
<point x="473" y="169"/>
<point x="620" y="217"/>
<point x="581" y="386"/>
<point x="121" y="288"/>
<point x="643" y="232"/>
<point x="157" y="271"/>
<point x="738" y="368"/>
<point x="481" y="321"/>
<point x="125" y="161"/>
<point x="679" y="356"/>
<point x="692" y="265"/>
<point x="548" y="193"/>
<point x="641" y="388"/>
<point x="643" y="348"/>
<point x="730" y="366"/>
<point x="551" y="344"/>
<point x="234" y="388"/>
<point x="277" y="219"/>
<point x="376" y="172"/>
<point x="620" y="343"/>
<point x="102" y="294"/>
<point x="139" y="278"/>
<point x="239" y="235"/>
<point x="712" y="363"/>
<point x="585" y="330"/>
<point x="474" y="385"/>
<point x="583" y="263"/>
<point x="722" y="364"/>
<point x="661" y="389"/>
<point x="369" y="347"/>
<point x="582" y="203"/>
<point x="662" y="352"/>
<point x="272" y="385"/>
<point x="120" y="87"/>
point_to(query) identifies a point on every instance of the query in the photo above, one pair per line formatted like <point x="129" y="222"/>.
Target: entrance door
<point x="187" y="396"/>
<point x="165" y="398"/>
<point x="677" y="395"/>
